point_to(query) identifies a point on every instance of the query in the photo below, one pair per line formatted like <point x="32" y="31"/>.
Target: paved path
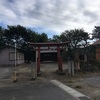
<point x="40" y="90"/>
<point x="71" y="91"/>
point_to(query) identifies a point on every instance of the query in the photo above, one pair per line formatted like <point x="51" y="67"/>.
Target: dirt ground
<point x="87" y="83"/>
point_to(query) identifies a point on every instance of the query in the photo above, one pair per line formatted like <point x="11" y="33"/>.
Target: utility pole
<point x="14" y="75"/>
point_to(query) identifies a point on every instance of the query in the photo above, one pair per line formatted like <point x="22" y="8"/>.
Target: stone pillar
<point x="33" y="70"/>
<point x="71" y="68"/>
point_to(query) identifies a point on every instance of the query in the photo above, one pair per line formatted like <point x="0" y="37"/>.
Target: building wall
<point x="7" y="56"/>
<point x="20" y="58"/>
<point x="98" y="53"/>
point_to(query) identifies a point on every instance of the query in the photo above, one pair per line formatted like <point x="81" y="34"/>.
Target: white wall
<point x="5" y="56"/>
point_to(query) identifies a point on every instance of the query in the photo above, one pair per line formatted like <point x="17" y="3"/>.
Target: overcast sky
<point x="51" y="16"/>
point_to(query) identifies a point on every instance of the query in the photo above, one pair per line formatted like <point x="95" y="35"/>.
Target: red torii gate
<point x="58" y="45"/>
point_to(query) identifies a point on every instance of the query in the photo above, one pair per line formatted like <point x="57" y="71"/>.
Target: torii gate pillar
<point x="60" y="69"/>
<point x="38" y="60"/>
